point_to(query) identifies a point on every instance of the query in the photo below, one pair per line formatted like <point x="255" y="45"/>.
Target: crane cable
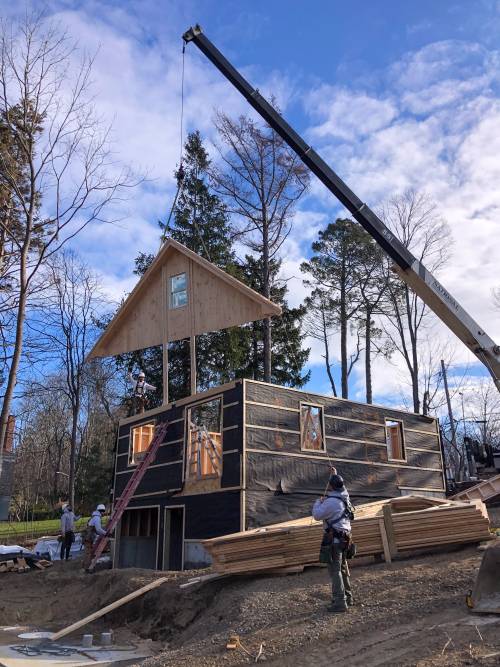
<point x="180" y="171"/>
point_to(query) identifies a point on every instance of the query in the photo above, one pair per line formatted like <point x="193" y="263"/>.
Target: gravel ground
<point x="409" y="613"/>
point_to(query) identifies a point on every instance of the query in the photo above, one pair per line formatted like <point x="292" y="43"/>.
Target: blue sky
<point x="394" y="94"/>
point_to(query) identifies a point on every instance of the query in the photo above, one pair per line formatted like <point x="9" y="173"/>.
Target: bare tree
<point x="66" y="328"/>
<point x="261" y="180"/>
<point x="415" y="220"/>
<point x="319" y="324"/>
<point x="48" y="111"/>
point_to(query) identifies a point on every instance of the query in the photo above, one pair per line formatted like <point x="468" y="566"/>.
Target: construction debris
<point x="24" y="561"/>
<point x="386" y="528"/>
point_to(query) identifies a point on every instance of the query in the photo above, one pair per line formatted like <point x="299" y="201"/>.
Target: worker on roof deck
<point x="140" y="390"/>
<point x="93" y="530"/>
<point x="335" y="510"/>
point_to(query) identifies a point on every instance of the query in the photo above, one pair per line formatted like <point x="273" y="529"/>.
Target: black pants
<point x="66" y="542"/>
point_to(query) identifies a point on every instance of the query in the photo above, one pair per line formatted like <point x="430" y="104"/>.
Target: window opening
<point x="141" y="439"/>
<point x="394" y="439"/>
<point x="312" y="436"/>
<point x="205" y="441"/>
<point x="178" y="291"/>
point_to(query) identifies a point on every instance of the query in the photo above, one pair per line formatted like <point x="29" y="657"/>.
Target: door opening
<point x="173" y="548"/>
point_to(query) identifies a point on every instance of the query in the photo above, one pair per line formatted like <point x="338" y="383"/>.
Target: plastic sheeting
<point x="51" y="547"/>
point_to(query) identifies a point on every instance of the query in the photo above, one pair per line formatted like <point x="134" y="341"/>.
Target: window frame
<point x="171" y="291"/>
<point x="403" y="439"/>
<point x="189" y="408"/>
<point x="150" y="422"/>
<point x="322" y="422"/>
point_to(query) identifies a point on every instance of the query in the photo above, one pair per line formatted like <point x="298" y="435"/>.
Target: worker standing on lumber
<point x="336" y="512"/>
<point x="140" y="390"/>
<point x="93" y="530"/>
<point x="68" y="519"/>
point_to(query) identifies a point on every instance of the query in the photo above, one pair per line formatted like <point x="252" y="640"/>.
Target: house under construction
<point x="247" y="453"/>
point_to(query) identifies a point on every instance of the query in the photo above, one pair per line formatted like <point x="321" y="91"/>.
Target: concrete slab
<point x="11" y="658"/>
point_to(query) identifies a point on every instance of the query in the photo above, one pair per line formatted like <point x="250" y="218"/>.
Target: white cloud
<point x="442" y="140"/>
<point x="348" y="114"/>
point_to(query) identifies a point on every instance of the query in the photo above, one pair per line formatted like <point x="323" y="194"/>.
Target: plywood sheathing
<point x="216" y="301"/>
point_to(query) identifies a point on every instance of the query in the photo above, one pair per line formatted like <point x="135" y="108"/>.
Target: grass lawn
<point x="10" y="531"/>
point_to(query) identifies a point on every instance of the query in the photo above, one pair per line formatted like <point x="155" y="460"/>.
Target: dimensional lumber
<point x="108" y="608"/>
<point x="415" y="523"/>
<point x="483" y="491"/>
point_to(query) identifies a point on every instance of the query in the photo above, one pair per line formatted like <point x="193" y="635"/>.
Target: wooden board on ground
<point x="108" y="608"/>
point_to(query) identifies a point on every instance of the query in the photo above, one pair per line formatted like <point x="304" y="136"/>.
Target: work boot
<point x="349" y="600"/>
<point x="335" y="608"/>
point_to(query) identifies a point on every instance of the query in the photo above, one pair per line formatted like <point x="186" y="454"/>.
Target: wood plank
<point x="110" y="607"/>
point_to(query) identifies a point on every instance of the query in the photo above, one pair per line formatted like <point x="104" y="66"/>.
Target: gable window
<point x="204" y="455"/>
<point x="178" y="291"/>
<point x="312" y="436"/>
<point x="141" y="439"/>
<point x="395" y="440"/>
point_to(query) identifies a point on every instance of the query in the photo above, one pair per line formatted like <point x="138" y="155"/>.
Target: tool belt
<point x="334" y="539"/>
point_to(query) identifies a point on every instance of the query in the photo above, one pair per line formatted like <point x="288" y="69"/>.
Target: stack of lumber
<point x="381" y="528"/>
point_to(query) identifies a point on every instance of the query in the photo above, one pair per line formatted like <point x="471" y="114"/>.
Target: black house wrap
<point x="267" y="474"/>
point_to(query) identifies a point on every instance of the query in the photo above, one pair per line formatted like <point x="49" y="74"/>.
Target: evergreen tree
<point x="201" y="223"/>
<point x="288" y="357"/>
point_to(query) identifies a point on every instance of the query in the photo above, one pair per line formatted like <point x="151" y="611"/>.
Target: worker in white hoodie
<point x="93" y="530"/>
<point x="336" y="512"/>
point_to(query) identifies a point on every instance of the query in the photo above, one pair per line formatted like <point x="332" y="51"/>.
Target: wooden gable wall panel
<point x="142" y="325"/>
<point x="217" y="305"/>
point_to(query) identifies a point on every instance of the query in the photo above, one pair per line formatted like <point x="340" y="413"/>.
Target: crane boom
<point x="408" y="267"/>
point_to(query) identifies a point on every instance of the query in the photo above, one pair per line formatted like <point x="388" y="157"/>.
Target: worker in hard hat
<point x="140" y="390"/>
<point x="92" y="531"/>
<point x="336" y="512"/>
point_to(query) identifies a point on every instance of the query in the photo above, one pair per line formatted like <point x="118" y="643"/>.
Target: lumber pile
<point x="385" y="528"/>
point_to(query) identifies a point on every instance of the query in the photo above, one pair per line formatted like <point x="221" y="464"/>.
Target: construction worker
<point x="68" y="519"/>
<point x="335" y="510"/>
<point x="140" y="389"/>
<point x="92" y="531"/>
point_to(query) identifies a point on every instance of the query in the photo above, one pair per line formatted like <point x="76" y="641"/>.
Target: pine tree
<point x="200" y="222"/>
<point x="288" y="357"/>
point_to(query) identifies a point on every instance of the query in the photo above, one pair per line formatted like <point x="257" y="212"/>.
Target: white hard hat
<point x="101" y="507"/>
<point x="141" y="374"/>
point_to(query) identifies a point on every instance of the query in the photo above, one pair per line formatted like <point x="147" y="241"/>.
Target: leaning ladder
<point x="128" y="492"/>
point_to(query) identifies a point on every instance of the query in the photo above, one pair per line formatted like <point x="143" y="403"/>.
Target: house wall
<point x="206" y="514"/>
<point x="282" y="479"/>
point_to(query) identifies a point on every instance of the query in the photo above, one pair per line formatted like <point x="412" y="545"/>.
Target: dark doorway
<point x="174" y="539"/>
<point x="138" y="545"/>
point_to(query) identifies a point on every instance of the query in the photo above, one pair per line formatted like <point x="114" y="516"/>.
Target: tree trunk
<point x="267" y="293"/>
<point x="343" y="334"/>
<point x="16" y="357"/>
<point x="72" y="451"/>
<point x="368" y="357"/>
<point x="327" y="356"/>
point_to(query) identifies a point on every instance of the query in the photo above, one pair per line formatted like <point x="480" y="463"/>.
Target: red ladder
<point x="128" y="492"/>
